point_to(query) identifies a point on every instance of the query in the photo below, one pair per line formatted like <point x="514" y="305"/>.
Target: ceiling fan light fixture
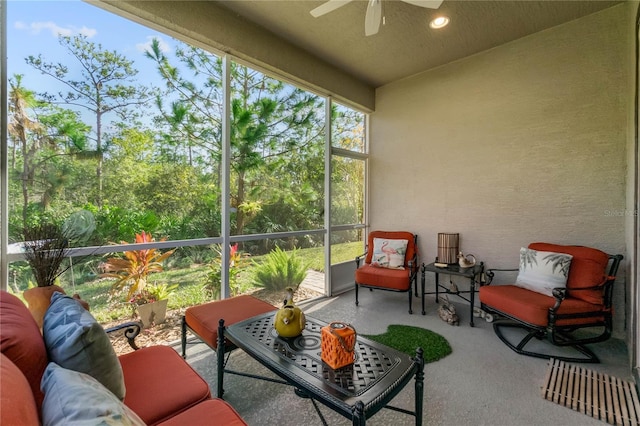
<point x="439" y="22"/>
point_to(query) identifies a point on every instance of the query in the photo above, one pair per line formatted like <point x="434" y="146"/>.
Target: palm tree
<point x="20" y="126"/>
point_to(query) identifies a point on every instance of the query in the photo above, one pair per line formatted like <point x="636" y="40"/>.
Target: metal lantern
<point x="448" y="247"/>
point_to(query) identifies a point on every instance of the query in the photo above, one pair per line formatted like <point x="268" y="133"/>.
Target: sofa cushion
<point x="75" y="398"/>
<point x="21" y="341"/>
<point x="203" y="319"/>
<point x="389" y="253"/>
<point x="588" y="269"/>
<point x="16" y="397"/>
<point x="542" y="271"/>
<point x="76" y="341"/>
<point x="161" y="370"/>
<point x="217" y="409"/>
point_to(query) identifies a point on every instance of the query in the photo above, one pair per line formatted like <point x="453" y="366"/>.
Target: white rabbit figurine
<point x="464" y="261"/>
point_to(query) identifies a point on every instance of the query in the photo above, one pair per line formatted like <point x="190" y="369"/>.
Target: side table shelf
<point x="471" y="273"/>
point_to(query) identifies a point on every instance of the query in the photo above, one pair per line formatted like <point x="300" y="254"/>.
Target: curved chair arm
<point x="131" y="331"/>
<point x="559" y="293"/>
<point x="413" y="264"/>
<point x="490" y="273"/>
<point x="359" y="258"/>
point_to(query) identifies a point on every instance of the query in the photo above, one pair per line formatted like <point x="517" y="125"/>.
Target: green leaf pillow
<point x="542" y="271"/>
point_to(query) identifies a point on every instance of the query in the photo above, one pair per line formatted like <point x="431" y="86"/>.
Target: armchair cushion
<point x="533" y="308"/>
<point x="389" y="253"/>
<point x="76" y="341"/>
<point x="542" y="271"/>
<point x="395" y="279"/>
<point x="587" y="270"/>
<point x="71" y="397"/>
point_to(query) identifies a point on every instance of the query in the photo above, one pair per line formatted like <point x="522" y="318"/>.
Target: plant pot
<point x="152" y="313"/>
<point x="38" y="300"/>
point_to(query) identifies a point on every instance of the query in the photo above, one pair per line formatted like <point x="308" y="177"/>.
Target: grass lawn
<point x="190" y="283"/>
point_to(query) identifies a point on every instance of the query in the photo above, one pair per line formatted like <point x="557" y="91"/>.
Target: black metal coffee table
<point x="357" y="391"/>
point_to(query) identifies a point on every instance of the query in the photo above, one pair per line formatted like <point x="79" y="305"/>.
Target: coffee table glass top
<point x="377" y="369"/>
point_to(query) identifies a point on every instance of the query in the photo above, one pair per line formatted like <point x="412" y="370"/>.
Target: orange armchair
<point x="390" y="263"/>
<point x="555" y="312"/>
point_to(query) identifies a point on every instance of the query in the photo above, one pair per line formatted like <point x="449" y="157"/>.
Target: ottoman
<point x="203" y="319"/>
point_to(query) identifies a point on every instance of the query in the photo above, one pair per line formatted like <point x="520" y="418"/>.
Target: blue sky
<point x="33" y="28"/>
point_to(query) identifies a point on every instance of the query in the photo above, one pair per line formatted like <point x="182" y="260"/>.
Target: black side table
<point x="471" y="273"/>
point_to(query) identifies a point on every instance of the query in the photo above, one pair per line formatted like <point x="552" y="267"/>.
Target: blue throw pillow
<point x="74" y="340"/>
<point x="73" y="398"/>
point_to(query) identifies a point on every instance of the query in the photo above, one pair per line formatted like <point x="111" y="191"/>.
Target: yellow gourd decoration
<point x="289" y="320"/>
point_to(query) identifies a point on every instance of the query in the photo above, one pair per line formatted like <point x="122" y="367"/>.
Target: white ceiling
<point x="406" y="45"/>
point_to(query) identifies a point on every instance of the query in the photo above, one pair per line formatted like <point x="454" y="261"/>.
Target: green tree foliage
<point x="106" y="85"/>
<point x="43" y="149"/>
<point x="273" y="126"/>
<point x="165" y="178"/>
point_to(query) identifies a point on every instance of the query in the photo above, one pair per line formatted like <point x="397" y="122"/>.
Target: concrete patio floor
<point x="482" y="382"/>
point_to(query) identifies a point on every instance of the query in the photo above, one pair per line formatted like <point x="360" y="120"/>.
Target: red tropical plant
<point x="132" y="270"/>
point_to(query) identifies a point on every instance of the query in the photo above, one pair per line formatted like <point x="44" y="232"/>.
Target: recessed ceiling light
<point x="439" y="22"/>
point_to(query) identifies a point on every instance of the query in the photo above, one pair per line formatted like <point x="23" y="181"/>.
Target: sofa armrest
<point x="131" y="331"/>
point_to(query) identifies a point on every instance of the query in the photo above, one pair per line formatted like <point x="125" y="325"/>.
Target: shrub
<point x="279" y="270"/>
<point x="213" y="281"/>
<point x="132" y="270"/>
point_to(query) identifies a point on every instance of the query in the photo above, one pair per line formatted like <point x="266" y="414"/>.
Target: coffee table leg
<point x="419" y="359"/>
<point x="472" y="289"/>
<point x="422" y="284"/>
<point x="220" y="356"/>
<point x="358" y="418"/>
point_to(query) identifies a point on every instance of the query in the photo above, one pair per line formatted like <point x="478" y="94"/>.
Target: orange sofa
<point x="161" y="388"/>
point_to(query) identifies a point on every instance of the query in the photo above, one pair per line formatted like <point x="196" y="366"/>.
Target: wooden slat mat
<point x="595" y="394"/>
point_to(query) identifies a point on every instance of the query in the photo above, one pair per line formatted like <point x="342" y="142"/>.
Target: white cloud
<point x="56" y="30"/>
<point x="146" y="46"/>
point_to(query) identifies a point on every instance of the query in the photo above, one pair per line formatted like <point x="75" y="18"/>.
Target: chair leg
<point x="410" y="301"/>
<point x="356" y="294"/>
<point x="184" y="337"/>
<point x="538" y="333"/>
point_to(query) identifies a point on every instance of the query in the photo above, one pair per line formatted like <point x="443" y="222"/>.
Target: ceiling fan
<point x="374" y="11"/>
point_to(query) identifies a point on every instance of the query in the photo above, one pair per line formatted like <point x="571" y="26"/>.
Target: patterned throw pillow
<point x="542" y="271"/>
<point x="74" y="398"/>
<point x="76" y="341"/>
<point x="389" y="253"/>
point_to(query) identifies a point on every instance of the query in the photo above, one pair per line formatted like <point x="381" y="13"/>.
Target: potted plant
<point x="132" y="270"/>
<point x="45" y="245"/>
<point x="151" y="303"/>
<point x="45" y="248"/>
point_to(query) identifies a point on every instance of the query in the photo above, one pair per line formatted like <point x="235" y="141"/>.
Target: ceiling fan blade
<point x="327" y="7"/>
<point x="431" y="4"/>
<point x="372" y="18"/>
